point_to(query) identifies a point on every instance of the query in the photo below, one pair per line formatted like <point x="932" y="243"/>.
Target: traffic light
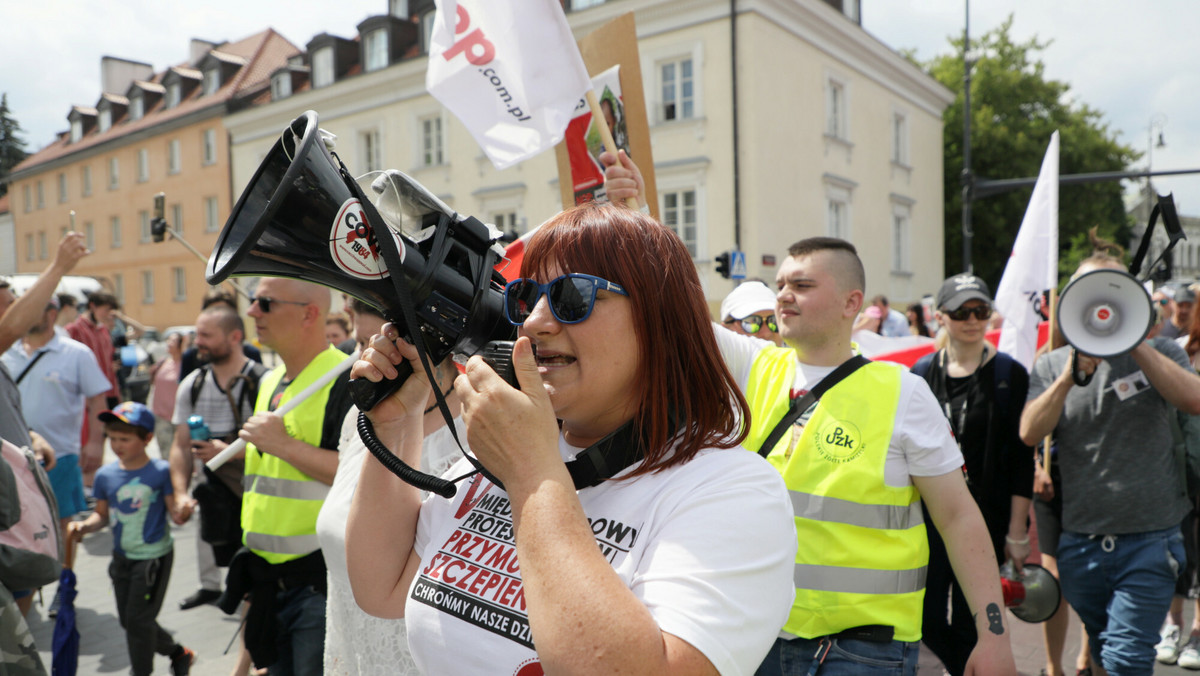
<point x="723" y="264"/>
<point x="158" y="226"/>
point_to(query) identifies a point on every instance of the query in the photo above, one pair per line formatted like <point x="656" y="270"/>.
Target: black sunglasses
<point x="752" y="324"/>
<point x="571" y="297"/>
<point x="981" y="313"/>
<point x="265" y="302"/>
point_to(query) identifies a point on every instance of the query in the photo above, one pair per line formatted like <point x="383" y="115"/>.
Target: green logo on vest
<point x="839" y="441"/>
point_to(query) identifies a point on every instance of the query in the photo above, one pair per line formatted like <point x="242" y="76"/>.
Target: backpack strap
<point x="198" y="383"/>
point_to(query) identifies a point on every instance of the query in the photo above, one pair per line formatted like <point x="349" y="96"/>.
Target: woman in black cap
<point x="982" y="392"/>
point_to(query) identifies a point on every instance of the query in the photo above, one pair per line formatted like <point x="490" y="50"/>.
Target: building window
<point x="837" y="219"/>
<point x="212" y="81"/>
<point x="899" y="138"/>
<point x="322" y="67"/>
<point x="115" y="242"/>
<point x="119" y="287"/>
<point x="900" y="242"/>
<point x="369" y="150"/>
<point x="174" y="92"/>
<point x="209" y="146"/>
<point x="431" y="141"/>
<point x="505" y="221"/>
<point x="177" y="217"/>
<point x="678" y="94"/>
<point x="143" y="165"/>
<point x="399" y="8"/>
<point x="137" y="107"/>
<point x="28" y="246"/>
<point x="87" y="180"/>
<point x="147" y="287"/>
<point x="180" y="284"/>
<point x="76" y="130"/>
<point x="173" y="156"/>
<point x="62" y="188"/>
<point x="42" y="253"/>
<point x="144" y="221"/>
<point x="426" y="30"/>
<point x="114" y="173"/>
<point x="27" y="192"/>
<point x="577" y="5"/>
<point x="105" y="119"/>
<point x="835" y="109"/>
<point x="89" y="235"/>
<point x="211" y="224"/>
<point x="281" y="85"/>
<point x="679" y="214"/>
<point x="377" y="49"/>
<point x="41" y="196"/>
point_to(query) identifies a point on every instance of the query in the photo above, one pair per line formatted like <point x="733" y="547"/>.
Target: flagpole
<point x="1050" y="342"/>
<point x="606" y="136"/>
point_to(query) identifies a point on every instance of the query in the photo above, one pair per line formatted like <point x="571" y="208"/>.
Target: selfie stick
<point x="237" y="446"/>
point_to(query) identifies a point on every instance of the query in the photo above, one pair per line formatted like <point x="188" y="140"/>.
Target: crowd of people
<point x="660" y="493"/>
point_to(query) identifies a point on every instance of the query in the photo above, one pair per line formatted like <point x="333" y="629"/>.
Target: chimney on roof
<point x="117" y="74"/>
<point x="200" y="49"/>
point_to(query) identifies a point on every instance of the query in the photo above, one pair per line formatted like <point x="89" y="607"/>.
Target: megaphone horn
<point x="1105" y="313"/>
<point x="1032" y="597"/>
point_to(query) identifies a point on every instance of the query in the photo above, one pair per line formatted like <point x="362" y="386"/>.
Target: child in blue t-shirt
<point x="137" y="492"/>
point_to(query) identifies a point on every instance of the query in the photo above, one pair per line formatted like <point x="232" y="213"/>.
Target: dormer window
<point x="137" y="107"/>
<point x="212" y="80"/>
<point x="322" y="66"/>
<point x="376" y="49"/>
<point x="281" y="85"/>
<point x="399" y="8"/>
<point x="76" y="130"/>
<point x="174" y="94"/>
<point x="105" y="119"/>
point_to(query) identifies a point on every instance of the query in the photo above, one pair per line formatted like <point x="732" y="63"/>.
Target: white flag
<point x="1033" y="265"/>
<point x="509" y="70"/>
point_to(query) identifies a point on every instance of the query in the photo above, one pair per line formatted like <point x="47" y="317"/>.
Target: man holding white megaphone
<point x="1121" y="548"/>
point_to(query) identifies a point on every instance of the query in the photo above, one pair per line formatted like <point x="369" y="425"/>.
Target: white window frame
<point x="105" y="119"/>
<point x="62" y="187"/>
<point x="652" y="62"/>
<point x="211" y="209"/>
<point x="76" y="130"/>
<point x="144" y="227"/>
<point x="370" y="149"/>
<point x="137" y="107"/>
<point x="119" y="287"/>
<point x="143" y="162"/>
<point x="505" y="208"/>
<point x="43" y="253"/>
<point x="147" y="287"/>
<point x="839" y="211"/>
<point x="398" y="8"/>
<point x="114" y="173"/>
<point x="436" y="156"/>
<point x="212" y="80"/>
<point x="41" y="195"/>
<point x="177" y="217"/>
<point x="27" y="192"/>
<point x="174" y="161"/>
<point x="900" y="137"/>
<point x="323" y="67"/>
<point x="375" y="50"/>
<point x="114" y="240"/>
<point x="577" y="5"/>
<point x="89" y="235"/>
<point x="174" y="94"/>
<point x="837" y="107"/>
<point x="29" y="246"/>
<point x="281" y="85"/>
<point x="688" y="177"/>
<point x="208" y="147"/>
<point x="179" y="284"/>
<point x="86" y="172"/>
<point x="673" y="208"/>
<point x="901" y="237"/>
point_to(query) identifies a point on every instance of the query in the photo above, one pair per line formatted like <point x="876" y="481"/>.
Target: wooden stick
<point x="606" y="136"/>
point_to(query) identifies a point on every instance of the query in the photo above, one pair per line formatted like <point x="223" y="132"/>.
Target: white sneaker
<point x="1189" y="657"/>
<point x="1167" y="650"/>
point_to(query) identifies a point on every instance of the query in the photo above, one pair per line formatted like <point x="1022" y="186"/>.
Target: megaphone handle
<point x="367" y="394"/>
<point x="425" y="482"/>
<point x="1081" y="379"/>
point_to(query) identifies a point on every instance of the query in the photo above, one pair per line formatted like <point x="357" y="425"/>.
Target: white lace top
<point x="355" y="642"/>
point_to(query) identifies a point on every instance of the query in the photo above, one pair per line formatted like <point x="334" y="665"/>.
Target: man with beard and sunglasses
<point x="222" y="392"/>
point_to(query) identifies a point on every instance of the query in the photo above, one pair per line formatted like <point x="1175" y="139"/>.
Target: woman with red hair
<point x="681" y="562"/>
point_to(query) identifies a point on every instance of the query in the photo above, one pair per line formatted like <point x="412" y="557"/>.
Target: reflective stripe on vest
<point x="862" y="549"/>
<point x="281" y="503"/>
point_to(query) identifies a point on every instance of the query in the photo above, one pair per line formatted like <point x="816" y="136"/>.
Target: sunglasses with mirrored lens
<point x="753" y="324"/>
<point x="571" y="297"/>
<point x="265" y="303"/>
<point x="981" y="312"/>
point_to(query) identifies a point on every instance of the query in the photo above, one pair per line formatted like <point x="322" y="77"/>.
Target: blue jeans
<point x="846" y="657"/>
<point x="1121" y="586"/>
<point x="301" y="617"/>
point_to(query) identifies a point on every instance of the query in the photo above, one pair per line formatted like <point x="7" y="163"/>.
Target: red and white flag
<point x="509" y="70"/>
<point x="1033" y="265"/>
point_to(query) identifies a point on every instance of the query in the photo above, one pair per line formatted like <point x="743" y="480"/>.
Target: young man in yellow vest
<point x="857" y="465"/>
<point x="290" y="463"/>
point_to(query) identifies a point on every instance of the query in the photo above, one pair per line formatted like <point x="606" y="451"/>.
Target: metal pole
<point x="188" y="245"/>
<point x="966" y="170"/>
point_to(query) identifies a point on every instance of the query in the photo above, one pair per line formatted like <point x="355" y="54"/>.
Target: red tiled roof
<point x="264" y="52"/>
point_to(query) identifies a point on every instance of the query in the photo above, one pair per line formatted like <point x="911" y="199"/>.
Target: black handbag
<point x="220" y="516"/>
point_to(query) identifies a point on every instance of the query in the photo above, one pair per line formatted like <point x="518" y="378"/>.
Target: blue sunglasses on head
<point x="571" y="297"/>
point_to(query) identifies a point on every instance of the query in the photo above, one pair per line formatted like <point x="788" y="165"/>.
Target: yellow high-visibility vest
<point x="280" y="503"/>
<point x="862" y="551"/>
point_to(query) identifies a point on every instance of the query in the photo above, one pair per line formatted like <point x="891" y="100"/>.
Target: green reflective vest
<point x="280" y="503"/>
<point x="862" y="550"/>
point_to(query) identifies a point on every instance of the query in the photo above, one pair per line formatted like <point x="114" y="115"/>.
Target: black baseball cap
<point x="960" y="289"/>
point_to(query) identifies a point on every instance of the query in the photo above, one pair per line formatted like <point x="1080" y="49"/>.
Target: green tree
<point x="12" y="146"/>
<point x="1014" y="110"/>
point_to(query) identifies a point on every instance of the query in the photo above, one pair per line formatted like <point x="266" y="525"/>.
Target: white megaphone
<point x="1104" y="313"/>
